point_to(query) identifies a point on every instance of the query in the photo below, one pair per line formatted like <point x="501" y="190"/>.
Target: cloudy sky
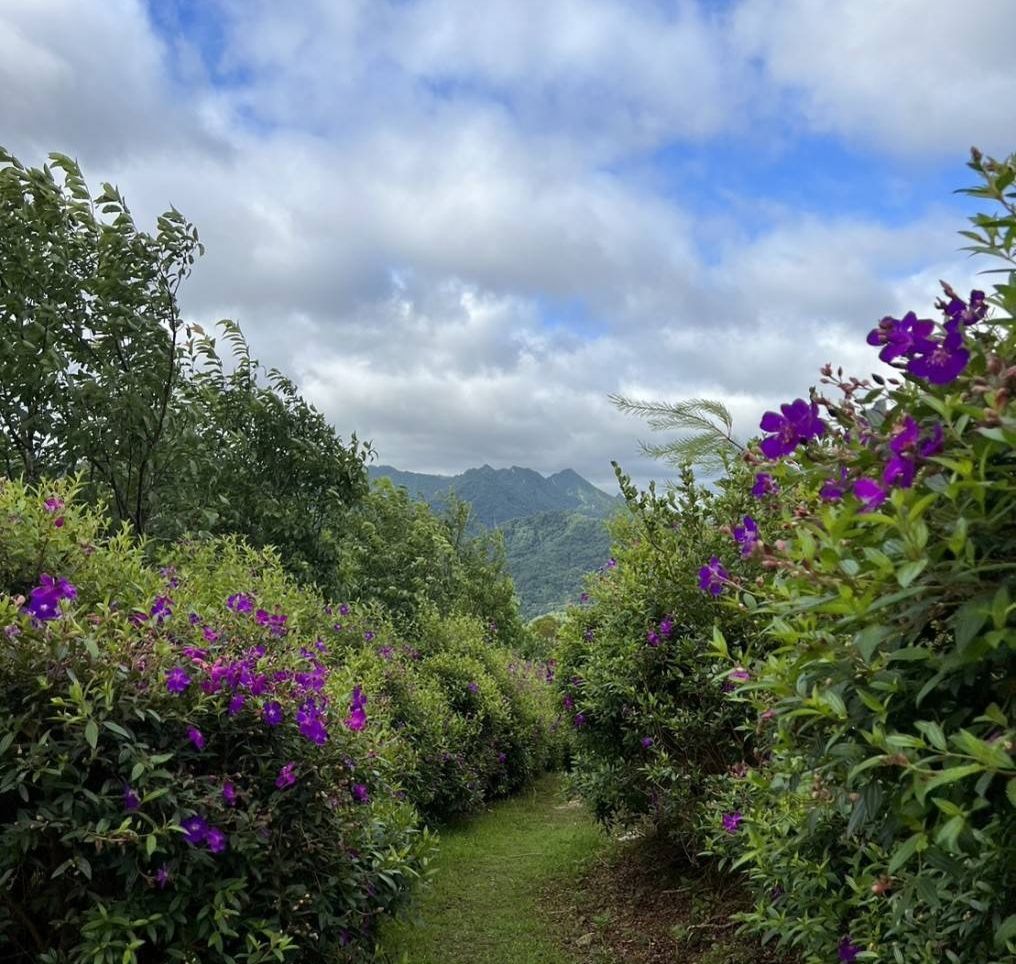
<point x="461" y="224"/>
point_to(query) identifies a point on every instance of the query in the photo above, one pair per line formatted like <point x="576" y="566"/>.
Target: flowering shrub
<point x="654" y="725"/>
<point x="175" y="771"/>
<point x="883" y="825"/>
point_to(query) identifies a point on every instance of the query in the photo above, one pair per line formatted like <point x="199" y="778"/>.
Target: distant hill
<point x="553" y="525"/>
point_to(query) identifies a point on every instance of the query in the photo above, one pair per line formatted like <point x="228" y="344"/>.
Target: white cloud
<point x="395" y="196"/>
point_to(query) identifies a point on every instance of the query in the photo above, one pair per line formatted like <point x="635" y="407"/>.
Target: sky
<point x="460" y="225"/>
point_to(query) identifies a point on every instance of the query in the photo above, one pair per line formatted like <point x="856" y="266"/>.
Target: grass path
<point x="485" y="905"/>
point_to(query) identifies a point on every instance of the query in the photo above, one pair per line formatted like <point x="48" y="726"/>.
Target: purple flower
<point x="611" y="563"/>
<point x="901" y="337"/>
<point x="272" y="713"/>
<point x="713" y="577"/>
<point x="940" y="362"/>
<point x="568" y="702"/>
<point x="53" y="504"/>
<point x="196" y="737"/>
<point x="848" y="950"/>
<point x="739" y="675"/>
<point x="653" y="638"/>
<point x="385" y="652"/>
<point x="473" y="688"/>
<point x="343" y="610"/>
<point x="287" y="776"/>
<point x="360" y="793"/>
<point x="210" y="635"/>
<point x="162" y="877"/>
<point x="236" y="703"/>
<point x="764" y="485"/>
<point x="369" y="635"/>
<point x="215" y="840"/>
<point x="647" y="742"/>
<point x="310" y="723"/>
<point x="731" y="821"/>
<point x="177" y="679"/>
<point x="229" y="793"/>
<point x="131" y="800"/>
<point x="162" y="608"/>
<point x="746" y="536"/>
<point x="584" y="597"/>
<point x="44" y="603"/>
<point x="832" y="489"/>
<point x="588" y="635"/>
<point x="502" y="757"/>
<point x="871" y="494"/>
<point x="958" y="312"/>
<point x="240" y="602"/>
<point x="195" y="829"/>
<point x="579" y="720"/>
<point x="666" y="627"/>
<point x="899" y="470"/>
<point x="798" y="423"/>
<point x="932" y="446"/>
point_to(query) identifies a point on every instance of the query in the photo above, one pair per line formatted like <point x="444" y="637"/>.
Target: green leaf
<point x="906" y="850"/>
<point x="949" y="775"/>
<point x="92" y="733"/>
<point x="909" y="571"/>
<point x="1006" y="930"/>
<point x="1010" y="790"/>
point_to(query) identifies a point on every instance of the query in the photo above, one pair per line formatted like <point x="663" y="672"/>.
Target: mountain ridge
<point x="554" y="526"/>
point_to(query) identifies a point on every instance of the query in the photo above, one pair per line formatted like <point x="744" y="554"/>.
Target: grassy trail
<point x="485" y="904"/>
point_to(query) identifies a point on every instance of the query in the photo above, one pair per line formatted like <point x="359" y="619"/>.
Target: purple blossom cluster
<point x="357" y="718"/>
<point x="660" y="632"/>
<point x="797" y="423"/>
<point x="44" y="600"/>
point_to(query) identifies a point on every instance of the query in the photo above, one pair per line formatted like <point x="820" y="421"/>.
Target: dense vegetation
<point x="807" y="675"/>
<point x="553" y="528"/>
<point x="234" y="680"/>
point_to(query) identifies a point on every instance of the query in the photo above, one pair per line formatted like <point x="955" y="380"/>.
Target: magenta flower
<point x="215" y="839"/>
<point x="177" y="679"/>
<point x="764" y="485"/>
<point x="240" y="602"/>
<point x="53" y="504"/>
<point x="799" y="422"/>
<point x="731" y="821"/>
<point x="746" y="536"/>
<point x="940" y="362"/>
<point x="871" y="494"/>
<point x="287" y="776"/>
<point x="848" y="950"/>
<point x="899" y="470"/>
<point x="901" y="337"/>
<point x="713" y="577"/>
<point x="229" y="793"/>
<point x="739" y="675"/>
<point x="195" y="829"/>
<point x="210" y="635"/>
<point x="360" y="793"/>
<point x="196" y="737"/>
<point x="131" y="800"/>
<point x="272" y="713"/>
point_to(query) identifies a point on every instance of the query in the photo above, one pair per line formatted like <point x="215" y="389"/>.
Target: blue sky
<point x="461" y="226"/>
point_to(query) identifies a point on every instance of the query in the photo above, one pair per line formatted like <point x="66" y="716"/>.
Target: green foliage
<point x="887" y="811"/>
<point x="101" y="377"/>
<point x="550" y="554"/>
<point x="633" y="665"/>
<point x="396" y="552"/>
<point x="88" y="717"/>
<point x="873" y="807"/>
<point x="707" y="426"/>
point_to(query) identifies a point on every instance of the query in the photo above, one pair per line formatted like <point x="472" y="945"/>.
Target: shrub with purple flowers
<point x="148" y="808"/>
<point x="884" y="813"/>
<point x="654" y="724"/>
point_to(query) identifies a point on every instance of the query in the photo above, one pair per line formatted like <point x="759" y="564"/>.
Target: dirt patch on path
<point x="637" y="903"/>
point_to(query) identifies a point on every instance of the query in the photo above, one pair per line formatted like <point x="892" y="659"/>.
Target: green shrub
<point x="884" y="824"/>
<point x="107" y="771"/>
<point x="654" y="725"/>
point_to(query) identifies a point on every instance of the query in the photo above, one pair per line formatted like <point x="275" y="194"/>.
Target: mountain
<point x="553" y="526"/>
<point x="498" y="495"/>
